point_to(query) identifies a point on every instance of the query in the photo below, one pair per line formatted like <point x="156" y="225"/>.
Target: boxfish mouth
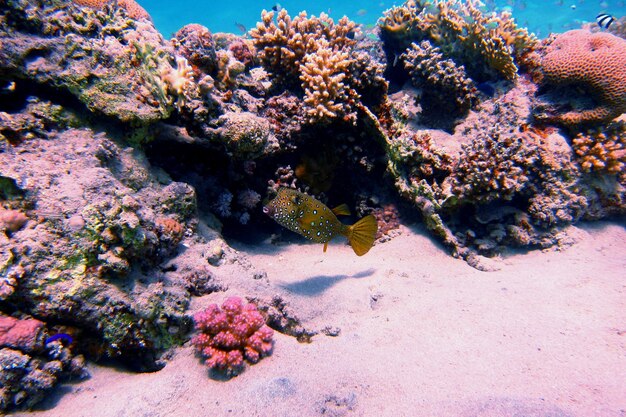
<point x="268" y="210"/>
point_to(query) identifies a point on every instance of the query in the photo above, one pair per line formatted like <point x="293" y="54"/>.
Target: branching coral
<point x="320" y="54"/>
<point x="444" y="81"/>
<point x="283" y="46"/>
<point x="602" y="149"/>
<point x="327" y="96"/>
<point x="595" y="62"/>
<point x="489" y="46"/>
<point x="230" y="334"/>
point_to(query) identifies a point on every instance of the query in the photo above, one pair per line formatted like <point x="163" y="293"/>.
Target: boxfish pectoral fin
<point x="306" y="220"/>
<point x="341" y="210"/>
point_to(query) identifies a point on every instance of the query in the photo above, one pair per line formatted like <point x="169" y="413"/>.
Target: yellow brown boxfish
<point x="309" y="217"/>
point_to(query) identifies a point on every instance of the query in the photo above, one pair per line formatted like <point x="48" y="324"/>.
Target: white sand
<point x="422" y="334"/>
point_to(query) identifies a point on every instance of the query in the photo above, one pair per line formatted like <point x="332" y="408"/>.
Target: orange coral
<point x="596" y="61"/>
<point x="602" y="150"/>
<point x="133" y="8"/>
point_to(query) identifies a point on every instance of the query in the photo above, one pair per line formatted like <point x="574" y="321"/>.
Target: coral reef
<point x="489" y="46"/>
<point x="86" y="228"/>
<point x="593" y="62"/>
<point x="107" y="236"/>
<point x="25" y="335"/>
<point x="492" y="184"/>
<point x="39" y="43"/>
<point x="326" y="95"/>
<point x="230" y="334"/>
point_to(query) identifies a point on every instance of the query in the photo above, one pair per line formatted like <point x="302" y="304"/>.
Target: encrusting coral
<point x="133" y="8"/>
<point x="230" y="334"/>
<point x="443" y="79"/>
<point x="595" y="62"/>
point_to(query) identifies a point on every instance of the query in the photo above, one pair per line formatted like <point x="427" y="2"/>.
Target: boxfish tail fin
<point x="361" y="235"/>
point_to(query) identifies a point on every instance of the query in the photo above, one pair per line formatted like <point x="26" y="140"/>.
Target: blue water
<point x="541" y="17"/>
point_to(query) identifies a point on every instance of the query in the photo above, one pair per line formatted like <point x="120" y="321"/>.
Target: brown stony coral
<point x="327" y="96"/>
<point x="283" y="45"/>
<point x="596" y="62"/>
<point x="133" y="8"/>
<point x="320" y="55"/>
<point x="602" y="149"/>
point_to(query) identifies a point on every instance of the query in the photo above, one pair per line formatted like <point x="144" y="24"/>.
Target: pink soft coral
<point x="230" y="334"/>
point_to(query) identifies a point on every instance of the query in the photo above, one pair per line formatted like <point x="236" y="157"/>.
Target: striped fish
<point x="604" y="20"/>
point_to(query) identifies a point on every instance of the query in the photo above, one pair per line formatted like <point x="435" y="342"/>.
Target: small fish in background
<point x="604" y="5"/>
<point x="573" y="7"/>
<point x="277" y="7"/>
<point x="361" y="12"/>
<point x="604" y="20"/>
<point x="310" y="218"/>
<point x="559" y="2"/>
<point x="241" y="27"/>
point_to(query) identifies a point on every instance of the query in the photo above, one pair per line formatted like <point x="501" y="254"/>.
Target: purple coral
<point x="230" y="334"/>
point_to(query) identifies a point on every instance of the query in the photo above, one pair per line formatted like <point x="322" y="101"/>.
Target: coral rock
<point x="595" y="61"/>
<point x="12" y="220"/>
<point x="24" y="335"/>
<point x="196" y="43"/>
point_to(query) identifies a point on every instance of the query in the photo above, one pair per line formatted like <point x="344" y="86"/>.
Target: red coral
<point x="230" y="334"/>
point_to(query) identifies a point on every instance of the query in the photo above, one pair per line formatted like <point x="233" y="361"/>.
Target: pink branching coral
<point x="230" y="334"/>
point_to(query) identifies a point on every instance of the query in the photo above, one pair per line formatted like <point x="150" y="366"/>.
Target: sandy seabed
<point x="419" y="334"/>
